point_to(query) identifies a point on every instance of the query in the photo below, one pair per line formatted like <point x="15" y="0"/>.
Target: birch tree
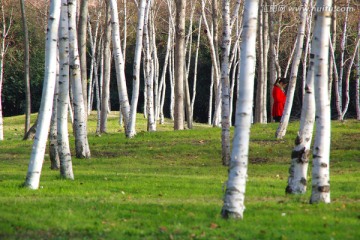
<point x="131" y="132"/>
<point x="180" y="64"/>
<point x="3" y="49"/>
<point x="66" y="170"/>
<point x="297" y="181"/>
<point x="119" y="63"/>
<point x="225" y="98"/>
<point x="149" y="72"/>
<point x="53" y="146"/>
<point x="80" y="126"/>
<point x="26" y="67"/>
<point x="235" y="187"/>
<point x="281" y="131"/>
<point x="105" y="65"/>
<point x="38" y="150"/>
<point x="321" y="152"/>
<point x="83" y="19"/>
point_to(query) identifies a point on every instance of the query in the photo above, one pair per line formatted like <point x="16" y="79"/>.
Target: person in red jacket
<point x="278" y="94"/>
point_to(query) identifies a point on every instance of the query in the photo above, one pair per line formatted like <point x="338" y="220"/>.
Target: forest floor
<point x="169" y="185"/>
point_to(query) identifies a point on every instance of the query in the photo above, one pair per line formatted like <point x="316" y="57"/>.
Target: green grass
<point x="169" y="185"/>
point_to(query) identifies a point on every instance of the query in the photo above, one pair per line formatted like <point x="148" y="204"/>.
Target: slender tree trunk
<point x="225" y="98"/>
<point x="357" y="98"/>
<point x="297" y="181"/>
<point x="149" y="72"/>
<point x="272" y="61"/>
<point x="235" y="188"/>
<point x="342" y="63"/>
<point x="3" y="49"/>
<point x="180" y="64"/>
<point x="347" y="78"/>
<point x="53" y="145"/>
<point x="80" y="126"/>
<point x="26" y="68"/>
<point x="260" y="69"/>
<point x="321" y="154"/>
<point x="38" y="151"/>
<point x="131" y="131"/>
<point x="333" y="40"/>
<point x="105" y="86"/>
<point x="196" y="68"/>
<point x="281" y="131"/>
<point x="119" y="64"/>
<point x="63" y="97"/>
<point x="83" y="19"/>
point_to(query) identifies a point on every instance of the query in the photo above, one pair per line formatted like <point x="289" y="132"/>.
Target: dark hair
<point x="281" y="80"/>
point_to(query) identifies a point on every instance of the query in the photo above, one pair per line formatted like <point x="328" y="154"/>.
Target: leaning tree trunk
<point x="131" y="131"/>
<point x="26" y="68"/>
<point x="297" y="181"/>
<point x="348" y="75"/>
<point x="321" y="154"/>
<point x="235" y="188"/>
<point x="281" y="131"/>
<point x="119" y="64"/>
<point x="66" y="170"/>
<point x="38" y="151"/>
<point x="180" y="64"/>
<point x="80" y="126"/>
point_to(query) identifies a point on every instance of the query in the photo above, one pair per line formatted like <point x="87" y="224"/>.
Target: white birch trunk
<point x="297" y="181"/>
<point x="180" y="64"/>
<point x="321" y="152"/>
<point x="342" y="63"/>
<point x="4" y="34"/>
<point x="119" y="64"/>
<point x="281" y="131"/>
<point x="235" y="188"/>
<point x="131" y="131"/>
<point x="347" y="79"/>
<point x="38" y="151"/>
<point x="80" y="125"/>
<point x="215" y="68"/>
<point x="66" y="170"/>
<point x="149" y="72"/>
<point x="53" y="146"/>
<point x="225" y="98"/>
<point x="105" y="70"/>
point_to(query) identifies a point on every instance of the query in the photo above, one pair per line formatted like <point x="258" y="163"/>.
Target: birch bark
<point x="235" y="188"/>
<point x="63" y="97"/>
<point x="281" y="131"/>
<point x="180" y="64"/>
<point x="321" y="152"/>
<point x="37" y="155"/>
<point x="297" y="181"/>
<point x="80" y="126"/>
<point x="131" y="131"/>
<point x="225" y="98"/>
<point x="105" y="65"/>
<point x="119" y="64"/>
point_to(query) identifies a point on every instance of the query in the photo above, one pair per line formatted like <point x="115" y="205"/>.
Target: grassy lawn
<point x="169" y="185"/>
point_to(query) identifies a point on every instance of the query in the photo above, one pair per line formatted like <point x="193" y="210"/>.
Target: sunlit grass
<point x="169" y="185"/>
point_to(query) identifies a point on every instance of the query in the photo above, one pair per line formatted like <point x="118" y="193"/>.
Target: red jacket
<point x="279" y="101"/>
